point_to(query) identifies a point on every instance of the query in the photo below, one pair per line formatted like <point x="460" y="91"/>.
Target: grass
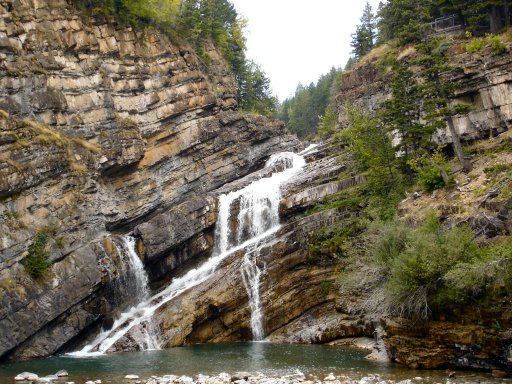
<point x="30" y="132"/>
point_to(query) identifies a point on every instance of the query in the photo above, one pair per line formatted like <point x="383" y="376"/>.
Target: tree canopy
<point x="302" y="112"/>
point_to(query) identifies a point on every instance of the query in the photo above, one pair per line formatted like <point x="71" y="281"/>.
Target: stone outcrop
<point x="459" y="337"/>
<point x="483" y="82"/>
<point x="106" y="130"/>
<point x="297" y="292"/>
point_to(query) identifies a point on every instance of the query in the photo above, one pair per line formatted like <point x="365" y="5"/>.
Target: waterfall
<point x="258" y="212"/>
<point x="147" y="336"/>
<point x="251" y="274"/>
<point x="257" y="220"/>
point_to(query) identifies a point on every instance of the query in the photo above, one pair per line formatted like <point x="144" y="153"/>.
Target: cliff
<point x="105" y="131"/>
<point x="482" y="81"/>
<point x="474" y="335"/>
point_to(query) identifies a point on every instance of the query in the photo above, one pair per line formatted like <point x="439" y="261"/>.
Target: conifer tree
<point x="404" y="19"/>
<point x="437" y="89"/>
<point x="401" y="115"/>
<point x="363" y="40"/>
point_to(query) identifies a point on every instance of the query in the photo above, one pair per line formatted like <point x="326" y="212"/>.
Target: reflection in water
<point x="210" y="359"/>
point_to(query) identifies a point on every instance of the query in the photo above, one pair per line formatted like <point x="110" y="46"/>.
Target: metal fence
<point x="446" y="24"/>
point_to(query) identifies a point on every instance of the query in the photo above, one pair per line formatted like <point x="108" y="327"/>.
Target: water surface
<point x="211" y="359"/>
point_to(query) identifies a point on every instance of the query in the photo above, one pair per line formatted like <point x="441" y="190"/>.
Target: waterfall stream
<point x="257" y="220"/>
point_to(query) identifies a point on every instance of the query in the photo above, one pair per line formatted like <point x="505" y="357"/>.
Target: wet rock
<point x="62" y="373"/>
<point x="131" y="377"/>
<point x="240" y="376"/>
<point x="26" y="376"/>
<point x="108" y="147"/>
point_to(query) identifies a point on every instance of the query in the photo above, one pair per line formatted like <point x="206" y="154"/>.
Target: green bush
<point x="36" y="263"/>
<point x="430" y="170"/>
<point x="475" y="45"/>
<point x="490" y="274"/>
<point x="498" y="47"/>
<point x="425" y="265"/>
<point x="327" y="246"/>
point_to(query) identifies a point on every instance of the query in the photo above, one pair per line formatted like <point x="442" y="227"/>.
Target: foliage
<point x="431" y="265"/>
<point x="363" y="40"/>
<point x="475" y="45"/>
<point x="432" y="170"/>
<point x="369" y="143"/>
<point x="328" y="120"/>
<point x="37" y="262"/>
<point x="408" y="20"/>
<point x="302" y="112"/>
<point x="328" y="246"/>
<point x="497" y="46"/>
<point x="404" y="19"/>
<point x="255" y="94"/>
<point x="387" y="61"/>
<point x="490" y="274"/>
<point x="437" y="89"/>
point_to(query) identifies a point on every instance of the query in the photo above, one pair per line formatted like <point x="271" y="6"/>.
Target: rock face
<point x="297" y="294"/>
<point x="106" y="130"/>
<point x="456" y="337"/>
<point x="483" y="79"/>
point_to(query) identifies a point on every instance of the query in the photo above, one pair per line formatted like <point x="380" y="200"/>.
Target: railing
<point x="446" y="24"/>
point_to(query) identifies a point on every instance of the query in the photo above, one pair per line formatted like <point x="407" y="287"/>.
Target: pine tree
<point x="437" y="89"/>
<point x="406" y="20"/>
<point x="363" y="40"/>
<point x="402" y="114"/>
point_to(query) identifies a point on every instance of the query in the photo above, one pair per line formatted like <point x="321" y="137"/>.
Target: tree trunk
<point x="464" y="161"/>
<point x="495" y="17"/>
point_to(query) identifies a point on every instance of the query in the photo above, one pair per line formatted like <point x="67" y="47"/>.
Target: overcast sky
<point x="299" y="40"/>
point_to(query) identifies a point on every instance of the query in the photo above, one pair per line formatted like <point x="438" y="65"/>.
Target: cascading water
<point x="257" y="220"/>
<point x="147" y="336"/>
<point x="251" y="275"/>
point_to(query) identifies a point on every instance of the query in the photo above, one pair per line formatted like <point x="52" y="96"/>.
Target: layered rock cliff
<point x="106" y="131"/>
<point x="458" y="335"/>
<point x="482" y="81"/>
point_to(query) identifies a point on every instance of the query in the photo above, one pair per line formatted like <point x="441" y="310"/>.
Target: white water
<point x="251" y="275"/>
<point x="137" y="268"/>
<point x="258" y="219"/>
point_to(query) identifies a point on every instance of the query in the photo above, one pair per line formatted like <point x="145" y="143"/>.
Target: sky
<point x="297" y="40"/>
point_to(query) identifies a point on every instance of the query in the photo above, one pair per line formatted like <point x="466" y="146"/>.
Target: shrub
<point x="475" y="45"/>
<point x="432" y="171"/>
<point x="36" y="263"/>
<point x="420" y="263"/>
<point x="490" y="274"/>
<point x="498" y="47"/>
<point x="327" y="246"/>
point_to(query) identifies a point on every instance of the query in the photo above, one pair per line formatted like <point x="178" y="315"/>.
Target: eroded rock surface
<point x="106" y="130"/>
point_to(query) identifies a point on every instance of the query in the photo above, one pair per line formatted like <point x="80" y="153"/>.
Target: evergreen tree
<point x="402" y="115"/>
<point x="481" y="15"/>
<point x="371" y="146"/>
<point x="302" y="112"/>
<point x="363" y="40"/>
<point x="254" y="93"/>
<point x="404" y="19"/>
<point x="437" y="89"/>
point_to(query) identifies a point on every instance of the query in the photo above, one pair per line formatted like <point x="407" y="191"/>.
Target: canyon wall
<point x="483" y="81"/>
<point x="106" y="131"/>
